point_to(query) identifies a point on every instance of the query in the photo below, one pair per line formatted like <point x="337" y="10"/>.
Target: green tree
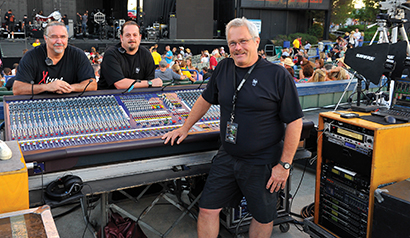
<point x="368" y="13"/>
<point x="341" y="9"/>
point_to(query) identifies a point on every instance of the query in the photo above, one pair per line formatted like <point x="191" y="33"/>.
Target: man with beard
<point x="257" y="98"/>
<point x="55" y="66"/>
<point x="128" y="65"/>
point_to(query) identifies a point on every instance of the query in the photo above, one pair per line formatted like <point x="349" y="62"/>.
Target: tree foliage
<point x="368" y="13"/>
<point x="341" y="9"/>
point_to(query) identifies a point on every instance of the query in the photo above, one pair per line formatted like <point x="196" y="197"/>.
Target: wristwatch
<point x="285" y="165"/>
<point x="149" y="83"/>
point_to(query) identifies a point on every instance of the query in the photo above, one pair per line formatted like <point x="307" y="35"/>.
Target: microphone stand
<point x="90" y="81"/>
<point x="358" y="107"/>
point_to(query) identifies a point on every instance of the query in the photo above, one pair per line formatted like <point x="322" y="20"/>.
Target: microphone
<point x="131" y="87"/>
<point x="163" y="87"/>
<point x="90" y="81"/>
<point x="32" y="89"/>
<point x="203" y="80"/>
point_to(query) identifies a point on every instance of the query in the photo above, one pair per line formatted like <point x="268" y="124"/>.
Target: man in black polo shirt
<point x="128" y="63"/>
<point x="256" y="153"/>
<point x="55" y="66"/>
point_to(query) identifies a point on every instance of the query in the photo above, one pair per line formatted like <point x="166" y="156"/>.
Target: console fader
<point x="60" y="122"/>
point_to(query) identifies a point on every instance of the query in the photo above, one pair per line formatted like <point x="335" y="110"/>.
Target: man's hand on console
<point x="60" y="87"/>
<point x="180" y="133"/>
<point x="156" y="82"/>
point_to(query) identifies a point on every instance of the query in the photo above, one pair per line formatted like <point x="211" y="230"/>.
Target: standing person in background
<point x="296" y="45"/>
<point x="156" y="56"/>
<point x="168" y="55"/>
<point x="25" y="27"/>
<point x="65" y="20"/>
<point x="361" y="39"/>
<point x="9" y="17"/>
<point x="257" y="98"/>
<point x="307" y="47"/>
<point x="356" y="36"/>
<point x="84" y="19"/>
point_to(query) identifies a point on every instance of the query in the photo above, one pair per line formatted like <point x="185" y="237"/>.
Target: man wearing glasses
<point x="257" y="98"/>
<point x="54" y="67"/>
<point x="128" y="65"/>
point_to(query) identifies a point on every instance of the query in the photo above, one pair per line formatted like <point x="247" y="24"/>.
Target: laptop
<point x="400" y="106"/>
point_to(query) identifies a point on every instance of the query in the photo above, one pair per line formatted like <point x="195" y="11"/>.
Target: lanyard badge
<point x="232" y="127"/>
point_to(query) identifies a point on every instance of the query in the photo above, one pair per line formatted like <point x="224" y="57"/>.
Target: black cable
<point x="294" y="196"/>
<point x="67" y="212"/>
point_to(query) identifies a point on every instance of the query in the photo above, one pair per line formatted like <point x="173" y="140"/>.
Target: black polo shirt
<point x="267" y="101"/>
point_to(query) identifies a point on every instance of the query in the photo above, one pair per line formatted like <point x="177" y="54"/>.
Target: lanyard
<point x="235" y="95"/>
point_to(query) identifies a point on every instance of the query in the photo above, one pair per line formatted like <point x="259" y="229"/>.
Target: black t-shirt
<point x="267" y="100"/>
<point x="9" y="17"/>
<point x="74" y="67"/>
<point x="65" y="20"/>
<point x="117" y="66"/>
<point x="26" y="22"/>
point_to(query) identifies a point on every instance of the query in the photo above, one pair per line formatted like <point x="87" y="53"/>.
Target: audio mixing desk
<point x="110" y="138"/>
<point x="62" y="132"/>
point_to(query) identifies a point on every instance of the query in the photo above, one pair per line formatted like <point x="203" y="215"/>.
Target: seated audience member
<point x="189" y="64"/>
<point x="2" y="81"/>
<point x="305" y="73"/>
<point x="188" y="53"/>
<point x="167" y="75"/>
<point x="177" y="69"/>
<point x="288" y="63"/>
<point x="128" y="63"/>
<point x="337" y="73"/>
<point x="7" y="74"/>
<point x="96" y="68"/>
<point x="212" y="61"/>
<point x="197" y="76"/>
<point x="299" y="59"/>
<point x="188" y="74"/>
<point x="319" y="63"/>
<point x="206" y="74"/>
<point x="292" y="72"/>
<point x="205" y="57"/>
<point x="36" y="43"/>
<point x="318" y="76"/>
<point x="14" y="70"/>
<point x="222" y="51"/>
<point x="54" y="67"/>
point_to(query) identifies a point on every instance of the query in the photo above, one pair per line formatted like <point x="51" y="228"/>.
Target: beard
<point x="132" y="47"/>
<point x="58" y="50"/>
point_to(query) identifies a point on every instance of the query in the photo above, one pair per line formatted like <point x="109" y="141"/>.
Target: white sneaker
<point x="12" y="37"/>
<point x="8" y="36"/>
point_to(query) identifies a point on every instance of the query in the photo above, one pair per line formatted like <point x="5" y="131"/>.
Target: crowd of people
<point x="297" y="62"/>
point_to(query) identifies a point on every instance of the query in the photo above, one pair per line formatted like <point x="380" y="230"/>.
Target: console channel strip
<point x="49" y="123"/>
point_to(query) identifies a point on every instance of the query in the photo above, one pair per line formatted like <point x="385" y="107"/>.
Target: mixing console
<point x="62" y="122"/>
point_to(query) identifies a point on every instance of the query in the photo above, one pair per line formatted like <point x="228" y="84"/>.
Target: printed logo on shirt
<point x="50" y="80"/>
<point x="137" y="70"/>
<point x="46" y="79"/>
<point x="254" y="82"/>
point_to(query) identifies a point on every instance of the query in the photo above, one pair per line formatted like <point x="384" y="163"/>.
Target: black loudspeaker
<point x="391" y="217"/>
<point x="64" y="187"/>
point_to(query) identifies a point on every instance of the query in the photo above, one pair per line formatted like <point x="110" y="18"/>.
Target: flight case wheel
<point x="284" y="227"/>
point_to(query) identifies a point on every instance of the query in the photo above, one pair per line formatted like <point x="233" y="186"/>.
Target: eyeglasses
<point x="55" y="37"/>
<point x="241" y="42"/>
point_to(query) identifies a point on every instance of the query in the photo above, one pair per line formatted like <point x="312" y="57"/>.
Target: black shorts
<point x="230" y="179"/>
